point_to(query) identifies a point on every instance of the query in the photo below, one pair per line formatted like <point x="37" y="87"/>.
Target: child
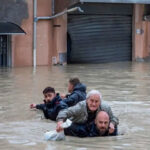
<point x="77" y="92"/>
<point x="52" y="104"/>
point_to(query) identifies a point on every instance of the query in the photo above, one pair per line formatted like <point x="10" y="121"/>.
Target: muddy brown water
<point x="125" y="86"/>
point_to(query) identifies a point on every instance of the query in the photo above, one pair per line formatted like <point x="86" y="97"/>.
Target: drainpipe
<point x="34" y="32"/>
<point x="46" y="18"/>
<point x="59" y="14"/>
<point x="53" y="7"/>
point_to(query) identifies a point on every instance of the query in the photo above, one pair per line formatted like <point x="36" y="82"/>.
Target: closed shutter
<point x="100" y="38"/>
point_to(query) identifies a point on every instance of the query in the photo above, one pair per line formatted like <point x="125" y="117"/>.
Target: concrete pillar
<point x="60" y="40"/>
<point x="141" y="34"/>
<point x="44" y="33"/>
<point x="148" y="40"/>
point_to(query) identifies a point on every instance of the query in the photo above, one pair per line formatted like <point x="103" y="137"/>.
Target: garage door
<point x="99" y="38"/>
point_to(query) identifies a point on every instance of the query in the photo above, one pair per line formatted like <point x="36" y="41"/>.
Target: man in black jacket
<point x="52" y="104"/>
<point x="100" y="127"/>
<point x="77" y="92"/>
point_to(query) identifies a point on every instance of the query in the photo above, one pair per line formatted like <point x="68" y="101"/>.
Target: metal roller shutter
<point x="100" y="38"/>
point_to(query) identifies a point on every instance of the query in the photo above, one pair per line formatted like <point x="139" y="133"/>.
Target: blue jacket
<point x="86" y="130"/>
<point x="52" y="108"/>
<point x="78" y="94"/>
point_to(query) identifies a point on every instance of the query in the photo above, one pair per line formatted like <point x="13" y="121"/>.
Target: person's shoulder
<point x="80" y="87"/>
<point x="79" y="105"/>
<point x="82" y="102"/>
<point x="104" y="104"/>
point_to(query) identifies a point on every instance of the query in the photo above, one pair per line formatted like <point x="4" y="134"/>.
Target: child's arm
<point x="63" y="96"/>
<point x="38" y="106"/>
<point x="33" y="106"/>
<point x="41" y="107"/>
<point x="71" y="99"/>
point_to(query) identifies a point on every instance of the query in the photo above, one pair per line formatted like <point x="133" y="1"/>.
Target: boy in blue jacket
<point x="77" y="92"/>
<point x="52" y="104"/>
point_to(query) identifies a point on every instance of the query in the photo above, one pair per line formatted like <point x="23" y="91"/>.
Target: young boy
<point x="52" y="104"/>
<point x="77" y="92"/>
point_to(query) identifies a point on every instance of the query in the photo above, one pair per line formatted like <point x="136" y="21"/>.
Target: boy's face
<point x="49" y="96"/>
<point x="70" y="87"/>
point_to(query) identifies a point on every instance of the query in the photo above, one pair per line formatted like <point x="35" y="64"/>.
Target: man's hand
<point x="58" y="127"/>
<point x="111" y="128"/>
<point x="33" y="106"/>
<point x="63" y="96"/>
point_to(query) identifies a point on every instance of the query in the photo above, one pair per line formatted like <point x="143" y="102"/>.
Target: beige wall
<point x="60" y="5"/>
<point x="60" y="36"/>
<point x="148" y="39"/>
<point x="141" y="46"/>
<point x="22" y="45"/>
<point x="44" y="33"/>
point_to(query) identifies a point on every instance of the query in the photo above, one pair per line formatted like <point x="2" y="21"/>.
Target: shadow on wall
<point x="10" y="10"/>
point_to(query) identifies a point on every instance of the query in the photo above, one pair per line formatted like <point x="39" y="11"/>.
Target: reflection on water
<point x="125" y="86"/>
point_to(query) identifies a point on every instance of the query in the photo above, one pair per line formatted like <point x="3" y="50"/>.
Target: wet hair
<point x="74" y="81"/>
<point x="93" y="92"/>
<point x="48" y="90"/>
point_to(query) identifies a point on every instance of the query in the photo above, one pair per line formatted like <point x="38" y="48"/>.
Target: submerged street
<point x="125" y="86"/>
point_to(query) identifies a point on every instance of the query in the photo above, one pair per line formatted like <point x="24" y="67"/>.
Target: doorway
<point x="5" y="53"/>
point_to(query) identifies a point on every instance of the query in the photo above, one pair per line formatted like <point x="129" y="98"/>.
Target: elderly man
<point x="100" y="127"/>
<point x="85" y="112"/>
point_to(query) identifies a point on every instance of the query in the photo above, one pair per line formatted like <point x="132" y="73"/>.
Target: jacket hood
<point x="80" y="87"/>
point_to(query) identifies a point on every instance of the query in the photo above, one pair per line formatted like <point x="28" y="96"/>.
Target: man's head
<point x="72" y="83"/>
<point x="49" y="93"/>
<point x="93" y="99"/>
<point x="102" y="122"/>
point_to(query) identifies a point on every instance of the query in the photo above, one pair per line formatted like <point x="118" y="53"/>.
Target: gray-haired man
<point x="85" y="111"/>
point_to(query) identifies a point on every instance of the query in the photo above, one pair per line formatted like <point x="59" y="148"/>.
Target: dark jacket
<point x="78" y="94"/>
<point x="52" y="108"/>
<point x="86" y="130"/>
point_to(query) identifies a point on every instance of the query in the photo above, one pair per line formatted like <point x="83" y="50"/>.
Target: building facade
<point x="107" y="31"/>
<point x="20" y="47"/>
<point x="45" y="33"/>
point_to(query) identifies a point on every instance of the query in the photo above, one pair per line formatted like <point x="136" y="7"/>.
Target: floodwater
<point x="125" y="86"/>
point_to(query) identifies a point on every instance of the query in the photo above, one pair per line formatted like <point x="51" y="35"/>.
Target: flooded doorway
<point x="5" y="53"/>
